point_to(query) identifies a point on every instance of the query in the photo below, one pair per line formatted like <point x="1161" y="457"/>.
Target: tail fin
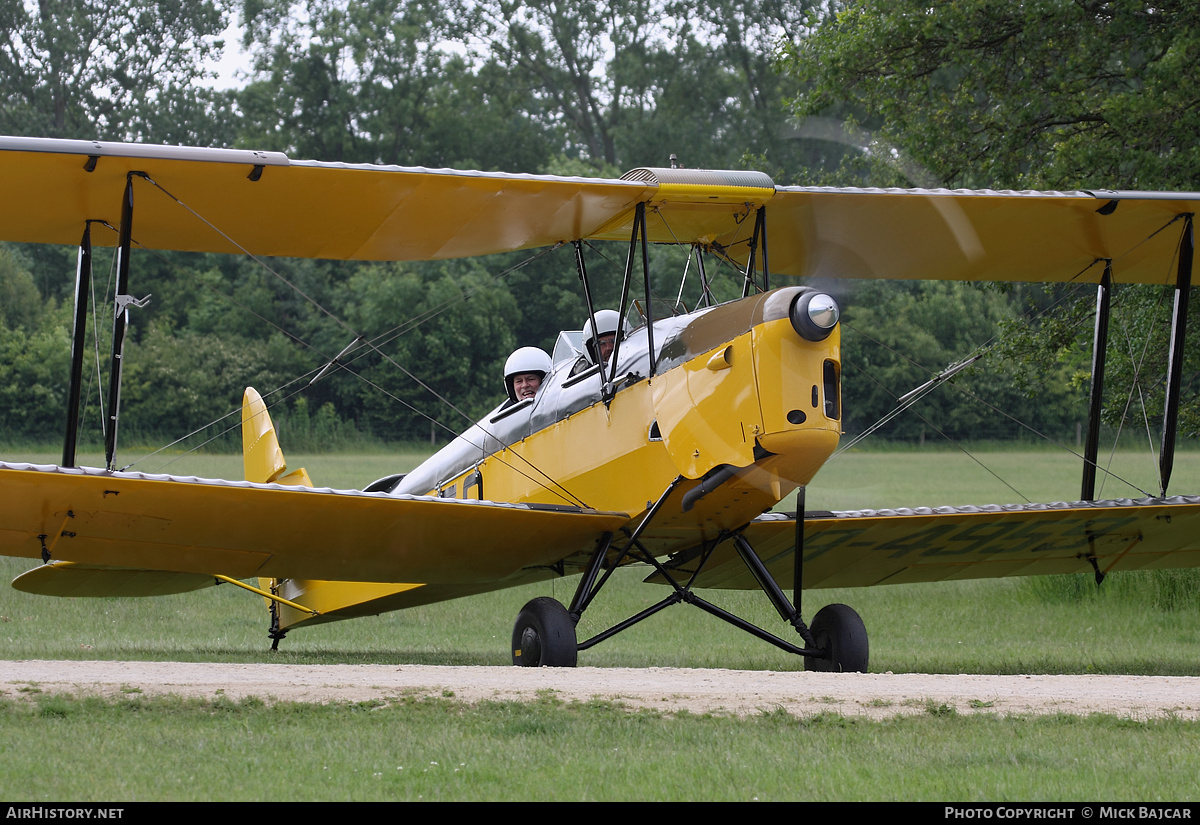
<point x="263" y="462"/>
<point x="261" y="456"/>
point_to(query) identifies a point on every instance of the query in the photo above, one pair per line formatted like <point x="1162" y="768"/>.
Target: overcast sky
<point x="233" y="59"/>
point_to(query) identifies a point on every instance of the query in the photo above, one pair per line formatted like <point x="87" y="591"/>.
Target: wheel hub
<point x="531" y="646"/>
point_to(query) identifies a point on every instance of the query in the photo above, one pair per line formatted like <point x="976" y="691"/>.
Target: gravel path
<point x="874" y="695"/>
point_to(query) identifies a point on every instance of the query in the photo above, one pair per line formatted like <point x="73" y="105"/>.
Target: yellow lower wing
<point x="246" y="530"/>
<point x="858" y="549"/>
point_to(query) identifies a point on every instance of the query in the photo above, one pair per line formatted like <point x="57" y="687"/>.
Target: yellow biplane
<point x="669" y="454"/>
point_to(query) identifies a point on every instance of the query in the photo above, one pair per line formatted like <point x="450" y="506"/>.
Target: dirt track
<point x="874" y="695"/>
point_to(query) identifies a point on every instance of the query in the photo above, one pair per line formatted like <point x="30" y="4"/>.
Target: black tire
<point x="544" y="635"/>
<point x="838" y="629"/>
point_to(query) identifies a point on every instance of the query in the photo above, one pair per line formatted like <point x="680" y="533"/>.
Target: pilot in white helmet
<point x="597" y="347"/>
<point x="524" y="372"/>
<point x="604" y="340"/>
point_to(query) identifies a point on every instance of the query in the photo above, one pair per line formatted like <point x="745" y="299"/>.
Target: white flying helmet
<point x="525" y="359"/>
<point x="608" y="321"/>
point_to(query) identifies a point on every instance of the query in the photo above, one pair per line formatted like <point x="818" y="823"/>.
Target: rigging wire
<point x="1107" y="472"/>
<point x="980" y="352"/>
<point x="370" y="343"/>
<point x="112" y="267"/>
<point x="96" y="357"/>
<point x="1135" y="385"/>
<point x="687" y="266"/>
<point x="298" y="380"/>
<point x="930" y="424"/>
<point x="1145" y="350"/>
<point x="924" y="389"/>
<point x="673" y="307"/>
<point x="569" y="496"/>
<point x="682" y="282"/>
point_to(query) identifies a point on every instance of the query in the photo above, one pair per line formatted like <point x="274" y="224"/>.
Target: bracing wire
<point x="371" y="344"/>
<point x="1135" y="386"/>
<point x="112" y="267"/>
<point x="907" y="401"/>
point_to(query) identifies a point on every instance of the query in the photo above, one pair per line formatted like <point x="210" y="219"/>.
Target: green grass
<point x="955" y="627"/>
<point x="872" y="480"/>
<point x="61" y="748"/>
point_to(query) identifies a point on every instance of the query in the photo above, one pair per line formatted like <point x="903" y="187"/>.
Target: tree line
<point x="979" y="94"/>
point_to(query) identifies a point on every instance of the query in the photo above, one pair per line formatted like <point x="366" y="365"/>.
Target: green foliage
<point x="367" y="82"/>
<point x="439" y="332"/>
<point x="322" y="431"/>
<point x="34" y="353"/>
<point x="979" y="92"/>
<point x="1057" y="341"/>
<point x="174" y="384"/>
<point x="98" y="70"/>
<point x="632" y="81"/>
<point x="897" y="336"/>
<point x="20" y="302"/>
<point x="32" y="385"/>
<point x="1050" y="94"/>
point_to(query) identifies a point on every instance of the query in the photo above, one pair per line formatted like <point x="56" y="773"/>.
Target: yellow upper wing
<point x="219" y="200"/>
<point x="976" y="235"/>
<point x="294" y="208"/>
<point x="243" y="530"/>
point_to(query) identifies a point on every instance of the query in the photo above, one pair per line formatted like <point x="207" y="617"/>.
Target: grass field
<point x="57" y="748"/>
<point x="61" y="749"/>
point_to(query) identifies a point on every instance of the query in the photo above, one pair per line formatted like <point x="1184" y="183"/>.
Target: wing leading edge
<point x="870" y="547"/>
<point x="245" y="530"/>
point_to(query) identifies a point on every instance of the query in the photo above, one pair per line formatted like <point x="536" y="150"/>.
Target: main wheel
<point x="544" y="635"/>
<point x="838" y="629"/>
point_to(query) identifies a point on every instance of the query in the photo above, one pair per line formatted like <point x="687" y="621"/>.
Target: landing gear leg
<point x="544" y="635"/>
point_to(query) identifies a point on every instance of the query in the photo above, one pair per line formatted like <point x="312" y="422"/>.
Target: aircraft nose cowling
<point x="799" y="392"/>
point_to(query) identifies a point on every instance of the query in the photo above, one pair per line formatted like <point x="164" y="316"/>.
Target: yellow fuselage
<point x="745" y="393"/>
